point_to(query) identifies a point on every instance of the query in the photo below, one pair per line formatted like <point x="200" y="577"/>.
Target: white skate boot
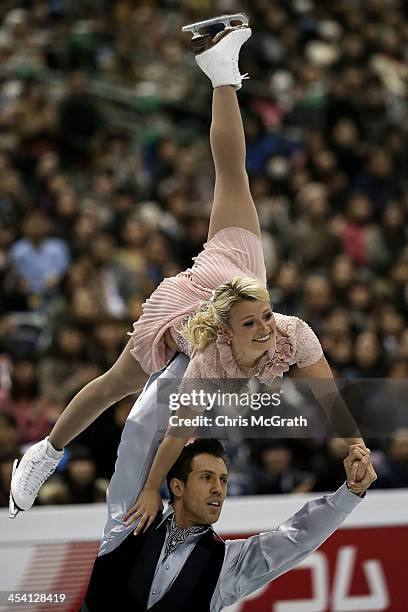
<point x="217" y="55"/>
<point x="35" y="466"/>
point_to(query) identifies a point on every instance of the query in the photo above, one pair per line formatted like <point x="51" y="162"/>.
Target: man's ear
<point x="177" y="487"/>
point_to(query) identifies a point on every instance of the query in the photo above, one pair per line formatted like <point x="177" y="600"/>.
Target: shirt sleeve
<point x="251" y="563"/>
<point x="308" y="347"/>
<point x="60" y="257"/>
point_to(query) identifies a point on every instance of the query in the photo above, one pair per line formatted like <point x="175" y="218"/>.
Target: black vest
<point x="121" y="579"/>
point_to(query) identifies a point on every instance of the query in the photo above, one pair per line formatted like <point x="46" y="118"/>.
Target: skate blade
<point x="225" y="20"/>
<point x="13" y="509"/>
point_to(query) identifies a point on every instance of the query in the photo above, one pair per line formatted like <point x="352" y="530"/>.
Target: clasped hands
<point x="359" y="470"/>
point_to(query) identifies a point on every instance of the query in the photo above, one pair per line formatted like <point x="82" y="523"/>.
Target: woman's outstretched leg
<point x="217" y="56"/>
<point x="233" y="205"/>
<point x="41" y="459"/>
<point x="124" y="377"/>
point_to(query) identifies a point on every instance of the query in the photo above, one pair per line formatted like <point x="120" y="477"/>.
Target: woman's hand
<point x="359" y="455"/>
<point x="148" y="504"/>
<point x="356" y="464"/>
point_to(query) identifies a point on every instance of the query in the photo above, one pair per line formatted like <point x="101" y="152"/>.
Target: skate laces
<point x="36" y="473"/>
<point x="237" y="75"/>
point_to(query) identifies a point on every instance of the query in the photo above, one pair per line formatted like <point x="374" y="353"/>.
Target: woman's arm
<point x="196" y="378"/>
<point x="149" y="501"/>
<point x="323" y="386"/>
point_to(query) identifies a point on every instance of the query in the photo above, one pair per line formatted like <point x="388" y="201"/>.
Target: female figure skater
<point x="231" y="330"/>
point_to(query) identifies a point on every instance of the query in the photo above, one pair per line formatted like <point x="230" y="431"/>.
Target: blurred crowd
<point x="106" y="185"/>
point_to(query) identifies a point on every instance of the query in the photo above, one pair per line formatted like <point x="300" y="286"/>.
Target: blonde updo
<point x="202" y="328"/>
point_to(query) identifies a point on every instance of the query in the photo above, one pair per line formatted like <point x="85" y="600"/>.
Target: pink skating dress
<point x="231" y="252"/>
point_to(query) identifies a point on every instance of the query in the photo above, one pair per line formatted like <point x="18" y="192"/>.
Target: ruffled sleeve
<point x="308" y="347"/>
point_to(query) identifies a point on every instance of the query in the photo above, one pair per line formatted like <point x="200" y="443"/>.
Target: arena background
<point x="105" y="166"/>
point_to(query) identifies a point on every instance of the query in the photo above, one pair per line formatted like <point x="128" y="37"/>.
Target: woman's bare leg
<point x="124" y="377"/>
<point x="233" y="205"/>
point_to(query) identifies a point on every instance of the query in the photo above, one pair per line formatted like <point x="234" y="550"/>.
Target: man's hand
<point x="359" y="458"/>
<point x="147" y="506"/>
<point x="359" y="467"/>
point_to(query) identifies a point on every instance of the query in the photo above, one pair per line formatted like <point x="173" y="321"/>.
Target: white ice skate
<point x="36" y="465"/>
<point x="217" y="54"/>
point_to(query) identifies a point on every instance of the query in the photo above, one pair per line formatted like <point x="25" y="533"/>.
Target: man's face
<point x="200" y="499"/>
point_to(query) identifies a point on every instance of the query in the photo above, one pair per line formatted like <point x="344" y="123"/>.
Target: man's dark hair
<point x="182" y="468"/>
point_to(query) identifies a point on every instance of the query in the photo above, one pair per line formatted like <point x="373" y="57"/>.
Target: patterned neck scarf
<point x="178" y="535"/>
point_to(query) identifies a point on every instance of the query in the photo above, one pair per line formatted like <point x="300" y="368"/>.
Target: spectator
<point x="362" y="240"/>
<point x="111" y="283"/>
<point x="24" y="402"/>
<point x="39" y="261"/>
<point x="65" y="368"/>
<point x="327" y="466"/>
<point x="80" y="123"/>
<point x="103" y="438"/>
<point x="6" y="468"/>
<point x="360" y="302"/>
<point x="286" y="289"/>
<point x="394" y="470"/>
<point x="35" y="120"/>
<point x="80" y="479"/>
<point x="342" y="275"/>
<point x="133" y="236"/>
<point x="403" y="346"/>
<point x="9" y="434"/>
<point x="317" y="300"/>
<point x="367" y="356"/>
<point x="312" y="236"/>
<point x="54" y="492"/>
<point x="278" y="474"/>
<point x="108" y="342"/>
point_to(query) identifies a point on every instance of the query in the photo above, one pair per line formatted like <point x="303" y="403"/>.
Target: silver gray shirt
<point x="253" y="562"/>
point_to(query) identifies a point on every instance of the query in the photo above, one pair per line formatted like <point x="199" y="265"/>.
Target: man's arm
<point x="250" y="564"/>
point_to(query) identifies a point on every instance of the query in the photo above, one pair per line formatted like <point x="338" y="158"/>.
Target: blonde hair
<point x="202" y="328"/>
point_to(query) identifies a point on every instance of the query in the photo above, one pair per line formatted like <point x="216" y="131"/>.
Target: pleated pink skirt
<point x="231" y="252"/>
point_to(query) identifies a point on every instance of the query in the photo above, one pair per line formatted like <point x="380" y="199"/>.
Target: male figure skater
<point x="179" y="563"/>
